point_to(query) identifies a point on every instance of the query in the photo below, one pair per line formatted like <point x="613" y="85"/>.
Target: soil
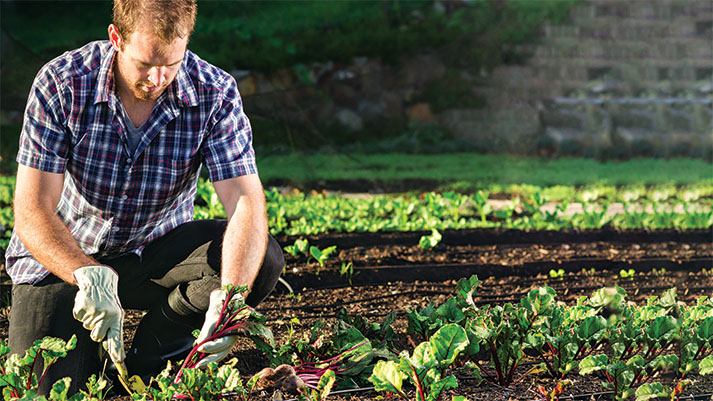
<point x="391" y="272"/>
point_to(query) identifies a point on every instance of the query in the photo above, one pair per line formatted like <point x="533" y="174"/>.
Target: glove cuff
<point x="96" y="276"/>
<point x="217" y="298"/>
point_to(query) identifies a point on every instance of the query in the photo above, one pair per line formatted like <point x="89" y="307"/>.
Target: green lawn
<point x="471" y="169"/>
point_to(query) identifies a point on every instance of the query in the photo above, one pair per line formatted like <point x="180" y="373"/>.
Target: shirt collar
<point x="181" y="91"/>
<point x="105" y="81"/>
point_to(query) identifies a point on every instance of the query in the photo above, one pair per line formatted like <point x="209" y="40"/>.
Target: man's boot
<point x="165" y="333"/>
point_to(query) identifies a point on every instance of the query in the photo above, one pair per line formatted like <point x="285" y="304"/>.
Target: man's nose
<point x="157" y="76"/>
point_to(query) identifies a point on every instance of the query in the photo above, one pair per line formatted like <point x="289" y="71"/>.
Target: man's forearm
<point x="49" y="241"/>
<point x="245" y="242"/>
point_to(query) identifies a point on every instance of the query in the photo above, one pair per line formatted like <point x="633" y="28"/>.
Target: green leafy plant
<point x="347" y="270"/>
<point x="556" y="274"/>
<point x="380" y="334"/>
<point x="504" y="331"/>
<point x="567" y="336"/>
<point x="482" y="207"/>
<point x="17" y="377"/>
<point x="429" y="319"/>
<point x="649" y="391"/>
<point x="324" y="387"/>
<point x="428" y="242"/>
<point x="300" y="246"/>
<point x="627" y="274"/>
<point x="321" y="255"/>
<point x="706" y="366"/>
<point x="623" y="377"/>
<point x="425" y="367"/>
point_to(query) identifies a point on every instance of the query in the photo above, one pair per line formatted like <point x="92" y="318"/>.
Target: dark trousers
<point x="189" y="257"/>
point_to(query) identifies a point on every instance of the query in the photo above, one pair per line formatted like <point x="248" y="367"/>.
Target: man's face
<point x="148" y="65"/>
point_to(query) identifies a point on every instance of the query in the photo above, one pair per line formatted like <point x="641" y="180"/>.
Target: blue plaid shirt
<point x="115" y="201"/>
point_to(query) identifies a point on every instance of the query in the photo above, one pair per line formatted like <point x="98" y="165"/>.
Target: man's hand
<point x="219" y="348"/>
<point x="97" y="306"/>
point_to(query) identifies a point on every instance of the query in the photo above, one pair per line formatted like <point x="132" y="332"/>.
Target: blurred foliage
<point x="266" y="35"/>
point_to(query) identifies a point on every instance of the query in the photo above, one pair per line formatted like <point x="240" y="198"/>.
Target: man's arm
<point x="245" y="238"/>
<point x="43" y="233"/>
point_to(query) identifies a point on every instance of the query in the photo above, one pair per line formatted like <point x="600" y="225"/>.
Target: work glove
<point x="97" y="306"/>
<point x="218" y="348"/>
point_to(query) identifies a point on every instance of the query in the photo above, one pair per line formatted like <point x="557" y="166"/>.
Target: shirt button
<point x="115" y="229"/>
<point x="129" y="160"/>
<point x="124" y="197"/>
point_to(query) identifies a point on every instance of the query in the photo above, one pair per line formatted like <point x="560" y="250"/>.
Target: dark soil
<point x="391" y="273"/>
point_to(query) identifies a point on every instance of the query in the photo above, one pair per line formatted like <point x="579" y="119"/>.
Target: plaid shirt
<point x="113" y="201"/>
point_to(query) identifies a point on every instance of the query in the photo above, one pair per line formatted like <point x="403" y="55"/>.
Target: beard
<point x="139" y="90"/>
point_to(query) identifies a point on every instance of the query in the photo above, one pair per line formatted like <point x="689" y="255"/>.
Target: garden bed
<point x="391" y="272"/>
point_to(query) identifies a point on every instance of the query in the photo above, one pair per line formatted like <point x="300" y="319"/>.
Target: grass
<point x="456" y="171"/>
<point x="481" y="169"/>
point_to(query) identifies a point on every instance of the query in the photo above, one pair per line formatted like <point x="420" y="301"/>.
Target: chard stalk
<point x="419" y="385"/>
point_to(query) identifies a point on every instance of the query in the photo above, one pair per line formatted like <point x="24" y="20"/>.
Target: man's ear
<point x="114" y="37"/>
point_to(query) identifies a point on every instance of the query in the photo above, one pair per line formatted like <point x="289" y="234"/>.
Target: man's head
<point x="150" y="37"/>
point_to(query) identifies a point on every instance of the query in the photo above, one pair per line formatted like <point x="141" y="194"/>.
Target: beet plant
<point x="563" y="340"/>
<point x="624" y="376"/>
<point x="429" y="319"/>
<point x="425" y="322"/>
<point x="572" y="333"/>
<point x="209" y="383"/>
<point x="696" y="338"/>
<point x="706" y="366"/>
<point x="380" y="334"/>
<point x="235" y="318"/>
<point x="425" y="367"/>
<point x="347" y="355"/>
<point x="18" y="380"/>
<point x="504" y="331"/>
<point x="653" y="391"/>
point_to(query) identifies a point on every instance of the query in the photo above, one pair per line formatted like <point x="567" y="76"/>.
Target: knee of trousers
<point x="274" y="262"/>
<point x="272" y="265"/>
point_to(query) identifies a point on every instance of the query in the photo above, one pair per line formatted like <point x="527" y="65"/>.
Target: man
<point x="112" y="143"/>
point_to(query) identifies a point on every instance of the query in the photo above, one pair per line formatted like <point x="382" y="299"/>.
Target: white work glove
<point x="97" y="306"/>
<point x="219" y="348"/>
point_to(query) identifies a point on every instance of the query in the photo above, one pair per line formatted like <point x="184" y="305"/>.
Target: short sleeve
<point x="228" y="148"/>
<point x="44" y="141"/>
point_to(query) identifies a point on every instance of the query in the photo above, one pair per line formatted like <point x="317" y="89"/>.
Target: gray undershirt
<point x="134" y="133"/>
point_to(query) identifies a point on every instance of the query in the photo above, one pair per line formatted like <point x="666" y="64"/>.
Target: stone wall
<point x="620" y="78"/>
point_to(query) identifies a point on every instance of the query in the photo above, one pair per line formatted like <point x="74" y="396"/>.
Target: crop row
<point x="527" y="208"/>
<point x="300" y="214"/>
<point x="627" y="346"/>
